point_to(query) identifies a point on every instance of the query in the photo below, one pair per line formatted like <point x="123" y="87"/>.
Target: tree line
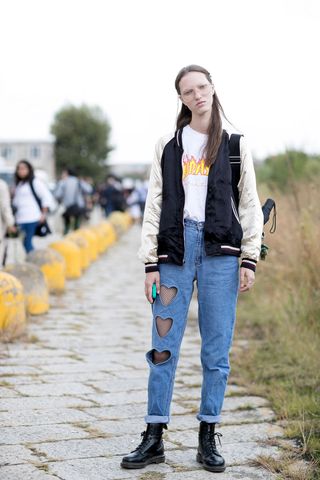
<point x="82" y="142"/>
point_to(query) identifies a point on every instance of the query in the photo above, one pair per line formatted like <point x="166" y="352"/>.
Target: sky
<point x="124" y="55"/>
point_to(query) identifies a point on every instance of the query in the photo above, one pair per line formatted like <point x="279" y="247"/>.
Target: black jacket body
<point x="222" y="229"/>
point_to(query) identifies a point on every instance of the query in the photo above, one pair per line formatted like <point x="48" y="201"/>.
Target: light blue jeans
<point x="218" y="282"/>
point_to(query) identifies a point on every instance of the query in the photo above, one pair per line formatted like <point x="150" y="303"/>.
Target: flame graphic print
<point x="193" y="166"/>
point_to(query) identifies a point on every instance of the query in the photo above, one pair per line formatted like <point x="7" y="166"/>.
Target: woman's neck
<point x="201" y="123"/>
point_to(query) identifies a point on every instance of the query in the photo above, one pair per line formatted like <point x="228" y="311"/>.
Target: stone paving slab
<point x="39" y="433"/>
<point x="12" y="370"/>
<point x="43" y="417"/>
<point x="98" y="468"/>
<point x="86" y="448"/>
<point x="56" y="378"/>
<point x="38" y="403"/>
<point x="24" y="472"/>
<point x="14" y="454"/>
<point x="7" y="392"/>
<point x="72" y="402"/>
<point x="55" y="390"/>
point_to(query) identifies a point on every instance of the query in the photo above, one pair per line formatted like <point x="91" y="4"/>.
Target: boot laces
<point x="144" y="437"/>
<point x="143" y="441"/>
<point x="212" y="440"/>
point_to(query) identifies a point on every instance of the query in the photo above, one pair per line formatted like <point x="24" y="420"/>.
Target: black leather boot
<point x="208" y="454"/>
<point x="150" y="450"/>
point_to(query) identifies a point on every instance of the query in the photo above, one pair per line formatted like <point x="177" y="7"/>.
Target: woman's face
<point x="196" y="92"/>
<point x="22" y="170"/>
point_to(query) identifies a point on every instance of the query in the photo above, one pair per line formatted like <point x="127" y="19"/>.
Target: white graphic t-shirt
<point x="195" y="174"/>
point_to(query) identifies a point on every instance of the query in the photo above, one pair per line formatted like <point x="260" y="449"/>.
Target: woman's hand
<point x="12" y="229"/>
<point x="247" y="277"/>
<point x="151" y="278"/>
<point x="42" y="218"/>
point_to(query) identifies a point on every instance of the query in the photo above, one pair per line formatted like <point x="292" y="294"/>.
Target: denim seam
<point x="170" y="390"/>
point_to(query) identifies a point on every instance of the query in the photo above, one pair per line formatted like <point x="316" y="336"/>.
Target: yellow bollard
<point x="34" y="286"/>
<point x="102" y="246"/>
<point x="52" y="265"/>
<point x="120" y="220"/>
<point x="127" y="219"/>
<point x="72" y="256"/>
<point x="109" y="232"/>
<point x="84" y="246"/>
<point x="92" y="238"/>
<point x="12" y="306"/>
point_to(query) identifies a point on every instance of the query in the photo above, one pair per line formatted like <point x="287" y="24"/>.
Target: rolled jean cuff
<point x="209" y="418"/>
<point x="156" y="419"/>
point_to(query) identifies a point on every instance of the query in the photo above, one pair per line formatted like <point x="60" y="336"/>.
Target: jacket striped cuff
<point x="248" y="263"/>
<point x="151" y="267"/>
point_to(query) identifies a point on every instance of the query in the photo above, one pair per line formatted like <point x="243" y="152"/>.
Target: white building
<point x="39" y="153"/>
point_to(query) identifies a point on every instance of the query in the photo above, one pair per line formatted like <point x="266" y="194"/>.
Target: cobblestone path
<point x="73" y="395"/>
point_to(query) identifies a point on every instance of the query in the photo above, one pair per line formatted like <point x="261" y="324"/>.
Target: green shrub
<point x="283" y="170"/>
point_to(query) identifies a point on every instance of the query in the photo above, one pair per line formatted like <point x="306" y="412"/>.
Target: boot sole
<point x="208" y="468"/>
<point x="130" y="465"/>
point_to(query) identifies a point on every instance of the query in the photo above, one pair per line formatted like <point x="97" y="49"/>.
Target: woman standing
<point x="27" y="210"/>
<point x="194" y="231"/>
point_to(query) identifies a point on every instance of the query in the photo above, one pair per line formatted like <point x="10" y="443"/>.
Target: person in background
<point x="6" y="216"/>
<point x="28" y="213"/>
<point x="142" y="192"/>
<point x="89" y="198"/>
<point x="111" y="196"/>
<point x="70" y="192"/>
<point x="136" y="200"/>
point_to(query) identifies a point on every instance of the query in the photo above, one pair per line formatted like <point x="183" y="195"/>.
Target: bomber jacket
<point x="228" y="229"/>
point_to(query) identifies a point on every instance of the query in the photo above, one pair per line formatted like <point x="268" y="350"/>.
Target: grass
<point x="281" y="317"/>
<point x="288" y="467"/>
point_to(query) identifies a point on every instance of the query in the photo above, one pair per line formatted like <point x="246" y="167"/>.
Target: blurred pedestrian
<point x="142" y="189"/>
<point x="31" y="201"/>
<point x="71" y="192"/>
<point x="111" y="196"/>
<point x="7" y="222"/>
<point x="135" y="199"/>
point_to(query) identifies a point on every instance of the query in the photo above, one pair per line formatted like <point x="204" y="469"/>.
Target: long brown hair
<point x="30" y="175"/>
<point x="215" y="126"/>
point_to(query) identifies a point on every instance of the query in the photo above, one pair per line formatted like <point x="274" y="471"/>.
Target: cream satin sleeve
<point x="250" y="213"/>
<point x="150" y="227"/>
